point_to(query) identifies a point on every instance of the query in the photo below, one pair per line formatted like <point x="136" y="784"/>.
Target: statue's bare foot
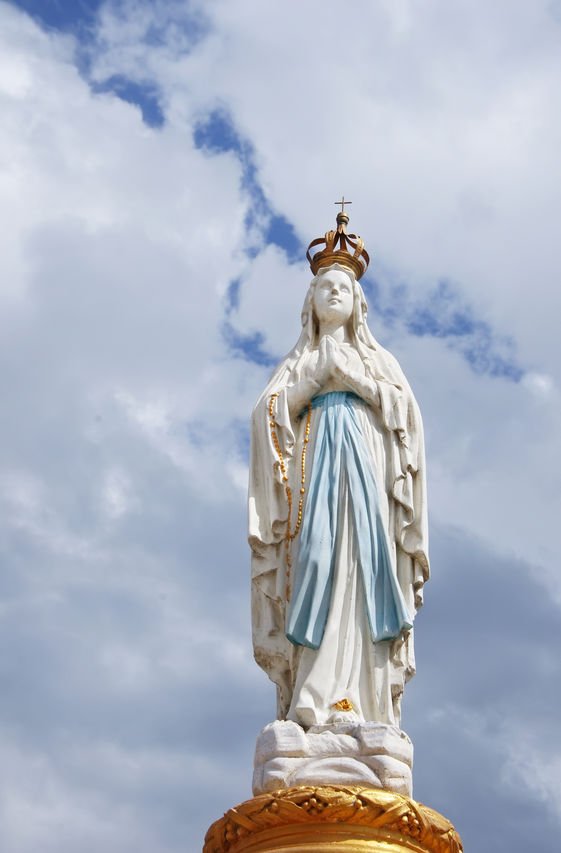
<point x="346" y="717"/>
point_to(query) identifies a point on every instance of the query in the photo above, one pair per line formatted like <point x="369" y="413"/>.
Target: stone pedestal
<point x="330" y="818"/>
<point x="376" y="755"/>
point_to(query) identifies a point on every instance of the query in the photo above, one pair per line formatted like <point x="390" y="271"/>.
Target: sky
<point x="163" y="166"/>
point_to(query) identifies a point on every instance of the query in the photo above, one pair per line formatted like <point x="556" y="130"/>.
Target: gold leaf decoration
<point x="339" y="810"/>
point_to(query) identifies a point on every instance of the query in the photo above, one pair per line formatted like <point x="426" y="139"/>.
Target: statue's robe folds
<point x="360" y="560"/>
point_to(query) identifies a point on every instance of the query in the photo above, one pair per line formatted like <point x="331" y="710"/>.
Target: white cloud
<point x="436" y="121"/>
<point x="540" y="384"/>
<point x="124" y="589"/>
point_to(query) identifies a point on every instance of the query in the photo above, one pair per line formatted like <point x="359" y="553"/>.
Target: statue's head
<point x="334" y="295"/>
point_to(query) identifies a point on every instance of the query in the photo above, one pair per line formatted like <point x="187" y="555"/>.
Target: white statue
<point x="337" y="510"/>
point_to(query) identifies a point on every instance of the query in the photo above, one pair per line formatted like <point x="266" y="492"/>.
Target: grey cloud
<point x="488" y="674"/>
<point x="130" y="703"/>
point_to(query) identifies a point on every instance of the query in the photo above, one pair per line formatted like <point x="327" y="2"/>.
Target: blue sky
<point x="165" y="165"/>
<point x="62" y="15"/>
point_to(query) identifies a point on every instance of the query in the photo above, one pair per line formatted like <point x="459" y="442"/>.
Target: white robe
<point x="348" y="664"/>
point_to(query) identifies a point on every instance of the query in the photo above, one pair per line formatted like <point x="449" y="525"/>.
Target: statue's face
<point x="333" y="297"/>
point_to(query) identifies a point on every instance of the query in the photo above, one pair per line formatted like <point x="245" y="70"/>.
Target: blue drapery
<point x="341" y="461"/>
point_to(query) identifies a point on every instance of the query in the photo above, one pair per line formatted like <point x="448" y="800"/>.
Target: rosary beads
<point x="290" y="535"/>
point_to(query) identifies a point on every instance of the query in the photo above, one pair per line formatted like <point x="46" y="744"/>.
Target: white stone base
<point x="351" y="753"/>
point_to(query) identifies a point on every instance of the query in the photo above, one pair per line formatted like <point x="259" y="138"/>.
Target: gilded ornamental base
<point x="332" y="818"/>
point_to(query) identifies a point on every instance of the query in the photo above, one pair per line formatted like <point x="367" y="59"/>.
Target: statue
<point x="337" y="509"/>
<point x="338" y="532"/>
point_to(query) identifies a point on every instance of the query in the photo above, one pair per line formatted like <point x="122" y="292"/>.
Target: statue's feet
<point x="336" y="718"/>
<point x="341" y="713"/>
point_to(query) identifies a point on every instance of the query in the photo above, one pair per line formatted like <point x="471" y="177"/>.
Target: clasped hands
<point x="331" y="363"/>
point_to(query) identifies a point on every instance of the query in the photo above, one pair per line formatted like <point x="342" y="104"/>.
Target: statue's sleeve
<point x="268" y="512"/>
<point x="406" y="458"/>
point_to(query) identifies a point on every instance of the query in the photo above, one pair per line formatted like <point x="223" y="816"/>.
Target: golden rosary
<point x="290" y="535"/>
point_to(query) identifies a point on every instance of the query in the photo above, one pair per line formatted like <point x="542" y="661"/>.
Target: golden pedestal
<point x="332" y="818"/>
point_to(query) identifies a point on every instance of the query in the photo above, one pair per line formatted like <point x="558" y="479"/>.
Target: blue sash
<point x="341" y="460"/>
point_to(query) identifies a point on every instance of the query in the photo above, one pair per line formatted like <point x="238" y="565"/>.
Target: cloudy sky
<point x="163" y="164"/>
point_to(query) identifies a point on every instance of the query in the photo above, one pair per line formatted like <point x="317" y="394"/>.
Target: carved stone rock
<point x="373" y="754"/>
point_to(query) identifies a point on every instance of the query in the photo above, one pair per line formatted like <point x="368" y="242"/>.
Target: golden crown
<point x="339" y="248"/>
